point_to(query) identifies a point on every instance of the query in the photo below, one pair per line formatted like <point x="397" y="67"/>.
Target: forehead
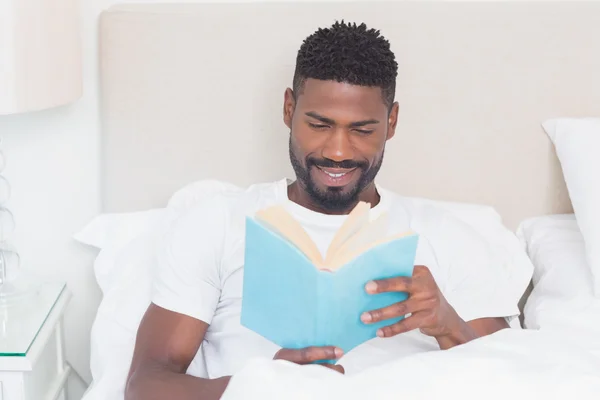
<point x="330" y="98"/>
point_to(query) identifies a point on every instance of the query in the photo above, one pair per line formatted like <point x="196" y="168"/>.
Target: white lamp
<point x="40" y="68"/>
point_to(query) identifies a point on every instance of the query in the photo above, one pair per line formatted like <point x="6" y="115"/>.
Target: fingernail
<point x="366" y="317"/>
<point x="338" y="352"/>
<point x="371" y="286"/>
<point x="380" y="333"/>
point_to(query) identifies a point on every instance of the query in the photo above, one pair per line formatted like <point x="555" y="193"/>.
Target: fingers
<point x="405" y="325"/>
<point x="309" y="355"/>
<point x="395" y="310"/>
<point x="400" y="283"/>
<point x="420" y="271"/>
<point x="396" y="284"/>
<point x="335" y="367"/>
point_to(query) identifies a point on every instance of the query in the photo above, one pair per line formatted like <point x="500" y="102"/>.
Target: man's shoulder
<point x="414" y="207"/>
<point x="217" y="199"/>
<point x="424" y="215"/>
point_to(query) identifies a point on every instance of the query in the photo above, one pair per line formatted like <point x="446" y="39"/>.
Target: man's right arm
<point x="166" y="344"/>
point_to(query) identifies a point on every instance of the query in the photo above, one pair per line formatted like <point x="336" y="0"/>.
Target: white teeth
<point x="335" y="175"/>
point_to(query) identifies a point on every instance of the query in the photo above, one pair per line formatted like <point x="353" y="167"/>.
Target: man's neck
<point x="300" y="196"/>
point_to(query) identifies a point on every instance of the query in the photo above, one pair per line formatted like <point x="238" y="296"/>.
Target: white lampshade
<point x="40" y="54"/>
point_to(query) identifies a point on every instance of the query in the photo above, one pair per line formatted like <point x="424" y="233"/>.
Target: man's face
<point x="337" y="139"/>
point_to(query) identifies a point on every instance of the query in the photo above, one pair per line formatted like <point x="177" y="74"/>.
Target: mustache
<point x="327" y="163"/>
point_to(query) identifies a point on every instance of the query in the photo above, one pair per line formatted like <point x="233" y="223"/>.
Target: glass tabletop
<point x="21" y="323"/>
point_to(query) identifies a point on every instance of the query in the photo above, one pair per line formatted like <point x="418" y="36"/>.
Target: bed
<point x="181" y="83"/>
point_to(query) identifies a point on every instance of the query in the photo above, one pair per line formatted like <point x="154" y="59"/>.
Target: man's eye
<point x="317" y="126"/>
<point x="364" y="131"/>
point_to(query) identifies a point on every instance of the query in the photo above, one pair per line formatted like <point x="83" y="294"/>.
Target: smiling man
<point x="340" y="113"/>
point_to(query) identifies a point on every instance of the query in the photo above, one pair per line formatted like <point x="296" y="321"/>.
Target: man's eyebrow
<point x="363" y="123"/>
<point x="321" y="118"/>
<point x="329" y="121"/>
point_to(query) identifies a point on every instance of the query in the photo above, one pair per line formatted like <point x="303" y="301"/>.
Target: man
<point x="340" y="112"/>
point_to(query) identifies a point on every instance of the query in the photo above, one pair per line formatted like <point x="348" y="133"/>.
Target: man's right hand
<point x="309" y="355"/>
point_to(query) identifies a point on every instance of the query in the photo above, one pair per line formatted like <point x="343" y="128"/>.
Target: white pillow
<point x="111" y="233"/>
<point x="577" y="143"/>
<point x="124" y="271"/>
<point x="557" y="250"/>
<point x="563" y="290"/>
<point x="123" y="304"/>
<point x="126" y="260"/>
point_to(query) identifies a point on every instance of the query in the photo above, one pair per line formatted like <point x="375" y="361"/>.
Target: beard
<point x="334" y="199"/>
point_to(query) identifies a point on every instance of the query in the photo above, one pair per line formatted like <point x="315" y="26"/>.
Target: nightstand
<point x="32" y="359"/>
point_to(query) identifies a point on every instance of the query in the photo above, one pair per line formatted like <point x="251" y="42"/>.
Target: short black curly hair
<point x="349" y="53"/>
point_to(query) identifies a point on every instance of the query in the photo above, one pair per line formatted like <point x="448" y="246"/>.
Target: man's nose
<point x="338" y="146"/>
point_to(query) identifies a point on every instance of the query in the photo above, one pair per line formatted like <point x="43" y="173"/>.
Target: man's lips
<point x="335" y="177"/>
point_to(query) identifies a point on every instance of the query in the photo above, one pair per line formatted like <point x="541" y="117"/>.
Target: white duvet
<point x="530" y="364"/>
<point x="558" y="358"/>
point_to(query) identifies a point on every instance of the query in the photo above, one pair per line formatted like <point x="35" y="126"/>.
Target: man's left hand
<point x="430" y="312"/>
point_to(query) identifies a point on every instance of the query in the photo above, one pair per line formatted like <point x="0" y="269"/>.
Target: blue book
<point x="296" y="297"/>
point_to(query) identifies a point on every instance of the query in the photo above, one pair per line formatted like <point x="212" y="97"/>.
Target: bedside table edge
<point x="53" y="319"/>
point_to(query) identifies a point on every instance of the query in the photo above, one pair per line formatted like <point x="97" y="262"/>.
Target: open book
<point x="296" y="297"/>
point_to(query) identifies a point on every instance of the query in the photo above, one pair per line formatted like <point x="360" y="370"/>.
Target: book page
<point x="281" y="222"/>
<point x="345" y="257"/>
<point x="372" y="232"/>
<point x="356" y="220"/>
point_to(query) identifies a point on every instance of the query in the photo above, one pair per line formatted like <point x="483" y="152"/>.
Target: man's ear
<point x="392" y="121"/>
<point x="289" y="104"/>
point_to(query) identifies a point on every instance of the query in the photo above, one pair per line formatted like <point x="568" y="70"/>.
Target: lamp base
<point x="16" y="284"/>
<point x="16" y="292"/>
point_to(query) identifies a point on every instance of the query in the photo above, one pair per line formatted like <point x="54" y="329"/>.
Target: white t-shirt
<point x="200" y="273"/>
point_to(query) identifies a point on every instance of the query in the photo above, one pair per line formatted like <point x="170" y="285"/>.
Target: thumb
<point x="336" y="367"/>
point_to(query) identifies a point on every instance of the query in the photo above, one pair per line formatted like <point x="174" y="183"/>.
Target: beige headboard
<point x="195" y="91"/>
